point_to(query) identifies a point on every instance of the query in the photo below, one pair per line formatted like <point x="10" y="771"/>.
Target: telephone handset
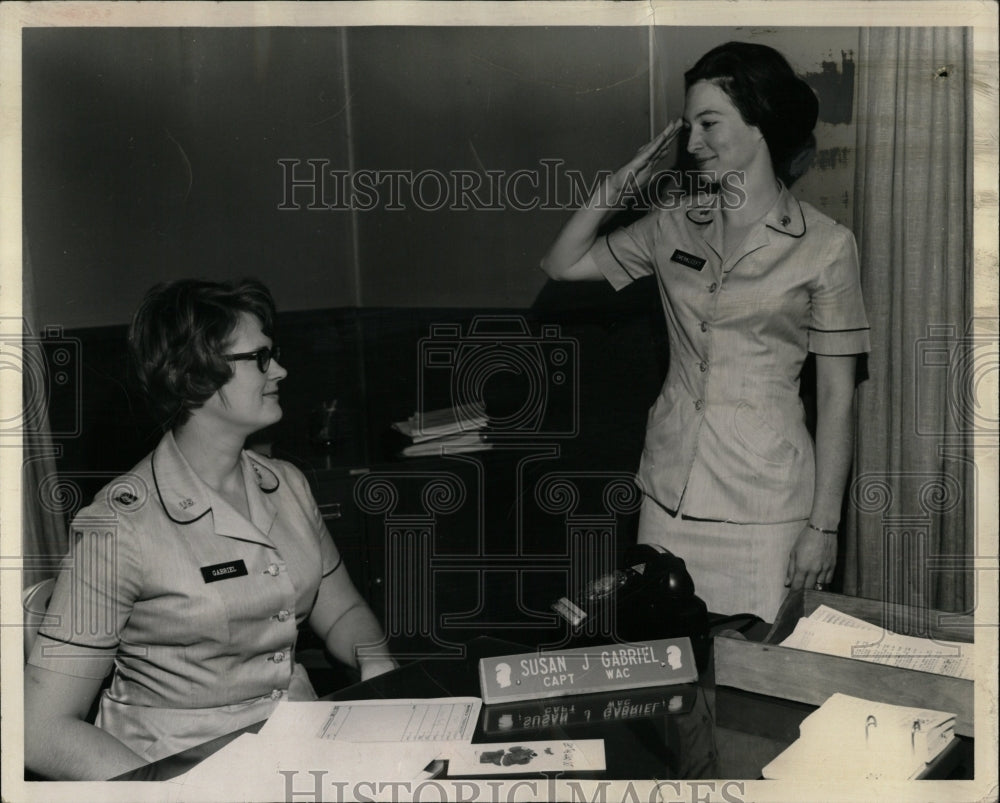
<point x="650" y="597"/>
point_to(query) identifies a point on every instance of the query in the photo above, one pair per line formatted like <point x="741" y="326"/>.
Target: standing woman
<point x="733" y="482"/>
<point x="190" y="575"/>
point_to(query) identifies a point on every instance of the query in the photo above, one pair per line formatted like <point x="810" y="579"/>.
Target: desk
<point x="714" y="733"/>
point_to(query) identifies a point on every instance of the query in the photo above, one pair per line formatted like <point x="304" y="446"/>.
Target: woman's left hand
<point x="812" y="559"/>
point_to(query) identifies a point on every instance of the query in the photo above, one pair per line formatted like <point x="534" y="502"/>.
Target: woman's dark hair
<point x="179" y="335"/>
<point x="765" y="91"/>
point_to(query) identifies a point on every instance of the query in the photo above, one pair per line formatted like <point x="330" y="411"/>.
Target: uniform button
<point x="272" y="569"/>
<point x="276" y="694"/>
<point x="704" y="326"/>
<point x="699" y="404"/>
<point x="282" y="616"/>
<point x="785" y="220"/>
<point x="278" y="657"/>
<point x="713" y="287"/>
<point x="703" y="366"/>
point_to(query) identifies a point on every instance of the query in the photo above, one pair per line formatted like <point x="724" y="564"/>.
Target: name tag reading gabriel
<point x="584" y="670"/>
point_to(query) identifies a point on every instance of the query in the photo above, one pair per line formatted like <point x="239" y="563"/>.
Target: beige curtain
<point x="43" y="497"/>
<point x="909" y="523"/>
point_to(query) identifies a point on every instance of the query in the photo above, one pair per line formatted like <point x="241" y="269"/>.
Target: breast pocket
<point x="178" y="608"/>
<point x="248" y="600"/>
<point x="759" y="438"/>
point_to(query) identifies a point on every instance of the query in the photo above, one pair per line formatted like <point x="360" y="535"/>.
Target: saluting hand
<point x="565" y="259"/>
<point x="637" y="173"/>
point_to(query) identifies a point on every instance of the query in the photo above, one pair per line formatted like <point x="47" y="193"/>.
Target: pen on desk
<point x="432" y="770"/>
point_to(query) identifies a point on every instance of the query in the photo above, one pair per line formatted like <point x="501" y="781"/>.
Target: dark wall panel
<point x="152" y="154"/>
<point x="479" y="100"/>
<point x="155" y="153"/>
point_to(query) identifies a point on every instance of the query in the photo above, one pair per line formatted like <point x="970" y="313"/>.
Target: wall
<point x="155" y="154"/>
<point x="159" y="153"/>
<point x="152" y="154"/>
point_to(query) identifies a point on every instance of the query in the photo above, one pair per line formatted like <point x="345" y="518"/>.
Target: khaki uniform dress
<point x="727" y="449"/>
<point x="192" y="605"/>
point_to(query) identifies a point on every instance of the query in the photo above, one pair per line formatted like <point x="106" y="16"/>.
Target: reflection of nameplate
<point x="585" y="670"/>
<point x="589" y="709"/>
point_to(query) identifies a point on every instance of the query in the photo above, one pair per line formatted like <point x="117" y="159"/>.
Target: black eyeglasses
<point x="263" y="356"/>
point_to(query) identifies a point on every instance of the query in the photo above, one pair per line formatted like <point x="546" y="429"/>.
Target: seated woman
<point x="190" y="575"/>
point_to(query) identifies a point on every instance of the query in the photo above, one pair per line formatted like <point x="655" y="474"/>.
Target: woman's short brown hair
<point x="179" y="335"/>
<point x="763" y="87"/>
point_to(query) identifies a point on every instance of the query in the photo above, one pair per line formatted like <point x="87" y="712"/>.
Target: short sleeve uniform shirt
<point x="194" y="606"/>
<point x="726" y="439"/>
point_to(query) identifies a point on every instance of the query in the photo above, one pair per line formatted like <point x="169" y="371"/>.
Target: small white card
<point x="505" y="758"/>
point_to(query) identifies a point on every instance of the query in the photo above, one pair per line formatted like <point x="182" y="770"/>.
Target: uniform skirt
<point x="736" y="568"/>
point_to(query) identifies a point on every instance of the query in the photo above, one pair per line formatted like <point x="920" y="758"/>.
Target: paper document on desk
<point x="832" y="632"/>
<point x="449" y="444"/>
<point x="442" y="719"/>
<point x="582" y="755"/>
<point x="256" y="767"/>
<point x="437" y="423"/>
<point x="852" y="738"/>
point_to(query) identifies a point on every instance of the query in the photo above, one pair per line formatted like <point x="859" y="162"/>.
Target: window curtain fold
<point x="909" y="525"/>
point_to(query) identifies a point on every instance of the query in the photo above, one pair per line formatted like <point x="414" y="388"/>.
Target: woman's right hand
<point x="565" y="258"/>
<point x="638" y="172"/>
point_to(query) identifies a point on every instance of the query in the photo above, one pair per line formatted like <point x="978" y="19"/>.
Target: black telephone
<point x="651" y="597"/>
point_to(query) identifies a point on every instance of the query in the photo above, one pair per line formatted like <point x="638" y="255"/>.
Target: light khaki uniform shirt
<point x="195" y="607"/>
<point x="726" y="438"/>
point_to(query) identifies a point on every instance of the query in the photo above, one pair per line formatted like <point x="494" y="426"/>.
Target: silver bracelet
<point x="812" y="526"/>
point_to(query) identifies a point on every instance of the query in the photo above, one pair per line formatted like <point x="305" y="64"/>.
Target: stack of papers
<point x="444" y="719"/>
<point x="337" y="746"/>
<point x="832" y="632"/>
<point x="455" y="429"/>
<point x="856" y="739"/>
<point x="347" y="742"/>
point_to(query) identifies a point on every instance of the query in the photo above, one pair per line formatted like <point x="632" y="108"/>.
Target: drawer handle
<point x="332" y="510"/>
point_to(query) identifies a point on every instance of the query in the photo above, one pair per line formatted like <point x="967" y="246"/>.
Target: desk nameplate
<point x="585" y="670"/>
